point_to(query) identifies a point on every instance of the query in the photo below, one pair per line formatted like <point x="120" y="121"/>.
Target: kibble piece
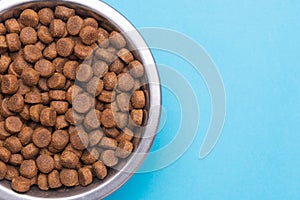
<point x="3" y="170"/>
<point x="72" y="92"/>
<point x="117" y="40"/>
<point x="89" y="21"/>
<point x="29" y="18"/>
<point x="95" y="137"/>
<point x="54" y="180"/>
<point x="25" y="113"/>
<point x="41" y="137"/>
<point x="108" y="158"/>
<point x="70" y="69"/>
<point x="11" y="173"/>
<point x="12" y="26"/>
<point x="65" y="47"/>
<point x="82" y="103"/>
<point x="45" y="163"/>
<point x="61" y="122"/>
<point x="136" y="69"/>
<point x="90" y="156"/>
<point x="45" y="35"/>
<point x="42" y="182"/>
<point x="40" y="45"/>
<point x="125" y="82"/>
<point x="3" y="132"/>
<point x="42" y="84"/>
<point x="108" y="143"/>
<point x="69" y="177"/>
<point x="125" y="55"/>
<point x="28" y="36"/>
<point x="25" y="135"/>
<point x="20" y="64"/>
<point x="15" y="159"/>
<point x="13" y="124"/>
<point x="124" y="149"/>
<point x="16" y="103"/>
<point x="117" y="66"/>
<point x="60" y="107"/>
<point x="73" y="118"/>
<point x="20" y="184"/>
<point x="100" y="68"/>
<point x="57" y="162"/>
<point x="92" y="119"/>
<point x="100" y="170"/>
<point x="123" y="101"/>
<point x="71" y="148"/>
<point x="50" y="52"/>
<point x="88" y="35"/>
<point x="46" y="15"/>
<point x="58" y="95"/>
<point x="4" y="154"/>
<point x="137" y="116"/>
<point x="44" y="67"/>
<point x="85" y="176"/>
<point x="84" y="73"/>
<point x="126" y="134"/>
<point x="79" y="138"/>
<point x="60" y="139"/>
<point x="2" y="29"/>
<point x="3" y="44"/>
<point x="107" y="96"/>
<point x="23" y="89"/>
<point x="110" y="81"/>
<point x="64" y="13"/>
<point x="33" y="98"/>
<point x="29" y="151"/>
<point x="9" y="84"/>
<point x="28" y="169"/>
<point x="74" y="25"/>
<point x="82" y="51"/>
<point x="105" y="55"/>
<point x="111" y="132"/>
<point x="56" y="81"/>
<point x="59" y="63"/>
<point x="69" y="159"/>
<point x="13" y="144"/>
<point x="32" y="53"/>
<point x="103" y="40"/>
<point x="107" y="118"/>
<point x="57" y="28"/>
<point x="4" y="112"/>
<point x="138" y="99"/>
<point x="48" y="117"/>
<point x="5" y="61"/>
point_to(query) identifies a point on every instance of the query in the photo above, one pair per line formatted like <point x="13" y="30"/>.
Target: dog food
<point x="70" y="99"/>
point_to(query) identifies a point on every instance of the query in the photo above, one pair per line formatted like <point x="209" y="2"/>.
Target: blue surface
<point x="256" y="46"/>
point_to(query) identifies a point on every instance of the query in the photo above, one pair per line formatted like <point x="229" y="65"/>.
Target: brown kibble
<point x="117" y="66"/>
<point x="2" y="29"/>
<point x="85" y="176"/>
<point x="44" y="67"/>
<point x="100" y="68"/>
<point x="3" y="170"/>
<point x="32" y="54"/>
<point x="73" y="118"/>
<point x="16" y="103"/>
<point x="111" y="132"/>
<point x="90" y="156"/>
<point x="73" y="91"/>
<point x="23" y="89"/>
<point x="95" y="86"/>
<point x="69" y="159"/>
<point x="100" y="170"/>
<point x="54" y="180"/>
<point x="56" y="81"/>
<point x="71" y="148"/>
<point x="15" y="159"/>
<point x="126" y="134"/>
<point x="57" y="162"/>
<point x="25" y="135"/>
<point x="3" y="44"/>
<point x="44" y="35"/>
<point x="92" y="119"/>
<point x="95" y="137"/>
<point x="125" y="82"/>
<point x="29" y="18"/>
<point x="84" y="73"/>
<point x="123" y="101"/>
<point x="50" y="52"/>
<point x="88" y="35"/>
<point x="57" y="28"/>
<point x="103" y="40"/>
<point x="136" y="69"/>
<point x="57" y="95"/>
<point x="59" y="63"/>
<point x="28" y="36"/>
<point x="12" y="26"/>
<point x="11" y="173"/>
<point x="4" y="154"/>
<point x="46" y="15"/>
<point x="5" y="61"/>
<point x="40" y="45"/>
<point x="69" y="177"/>
<point x="33" y="98"/>
<point x="45" y="163"/>
<point x="89" y="21"/>
<point x="117" y="40"/>
<point x="4" y="112"/>
<point x="110" y="81"/>
<point x="124" y="149"/>
<point x="41" y="137"/>
<point x="20" y="184"/>
<point x="60" y="139"/>
<point x="74" y="25"/>
<point x="107" y="118"/>
<point x="125" y="55"/>
<point x="29" y="151"/>
<point x="13" y="124"/>
<point x="82" y="103"/>
<point x="78" y="138"/>
<point x="105" y="55"/>
<point x="13" y="144"/>
<point x="61" y="122"/>
<point x="48" y="117"/>
<point x="138" y="99"/>
<point x="60" y="107"/>
<point x="109" y="159"/>
<point x="65" y="47"/>
<point x="20" y="64"/>
<point x="30" y="77"/>
<point x="82" y="51"/>
<point x="107" y="96"/>
<point x="70" y="69"/>
<point x="64" y="13"/>
<point x="3" y="133"/>
<point x="45" y="98"/>
<point x="137" y="116"/>
<point x="42" y="182"/>
<point x="108" y="143"/>
<point x="9" y="84"/>
<point x="28" y="169"/>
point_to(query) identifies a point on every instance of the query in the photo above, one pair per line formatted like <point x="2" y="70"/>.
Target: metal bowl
<point x="116" y="178"/>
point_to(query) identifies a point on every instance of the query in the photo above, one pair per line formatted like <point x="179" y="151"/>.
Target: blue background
<point x="256" y="46"/>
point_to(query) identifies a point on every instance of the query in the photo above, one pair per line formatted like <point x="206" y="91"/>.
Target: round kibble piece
<point x="64" y="13"/>
<point x="95" y="137"/>
<point x="15" y="159"/>
<point x="107" y="118"/>
<point x="89" y="21"/>
<point x="108" y="158"/>
<point x="28" y="169"/>
<point x="30" y="151"/>
<point x="88" y="35"/>
<point x="41" y="137"/>
<point x="82" y="51"/>
<point x="32" y="53"/>
<point x="28" y="36"/>
<point x="124" y="149"/>
<point x="20" y="64"/>
<point x="126" y="134"/>
<point x="60" y="139"/>
<point x="125" y="82"/>
<point x="100" y="68"/>
<point x="70" y="69"/>
<point x="56" y="81"/>
<point x="44" y="67"/>
<point x="90" y="156"/>
<point x="79" y="139"/>
<point x="65" y="47"/>
<point x="30" y="77"/>
<point x="125" y="55"/>
<point x="69" y="177"/>
<point x="12" y="26"/>
<point x="82" y="103"/>
<point x="11" y="173"/>
<point x="110" y="81"/>
<point x="45" y="163"/>
<point x="46" y="15"/>
<point x="117" y="66"/>
<point x="48" y="117"/>
<point x="69" y="159"/>
<point x="108" y="143"/>
<point x="60" y="107"/>
<point x="25" y="135"/>
<point x="73" y="118"/>
<point x="137" y="116"/>
<point x="13" y="144"/>
<point x="57" y="95"/>
<point x="84" y="73"/>
<point x="92" y="120"/>
<point x="117" y="40"/>
<point x="54" y="179"/>
<point x="50" y="52"/>
<point x="16" y="103"/>
<point x="4" y="154"/>
<point x="57" y="28"/>
<point x="13" y="42"/>
<point x="33" y="98"/>
<point x="61" y="122"/>
<point x="43" y="182"/>
<point x="74" y="25"/>
<point x="103" y="40"/>
<point x="111" y="132"/>
<point x="44" y="35"/>
<point x="9" y="84"/>
<point x="13" y="124"/>
<point x="138" y="99"/>
<point x="136" y="69"/>
<point x="105" y="55"/>
<point x="95" y="86"/>
<point x="20" y="184"/>
<point x="85" y="176"/>
<point x="3" y="170"/>
<point x="29" y="18"/>
<point x="100" y="170"/>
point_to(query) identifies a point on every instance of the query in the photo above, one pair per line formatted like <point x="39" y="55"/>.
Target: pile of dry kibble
<point x="54" y="132"/>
